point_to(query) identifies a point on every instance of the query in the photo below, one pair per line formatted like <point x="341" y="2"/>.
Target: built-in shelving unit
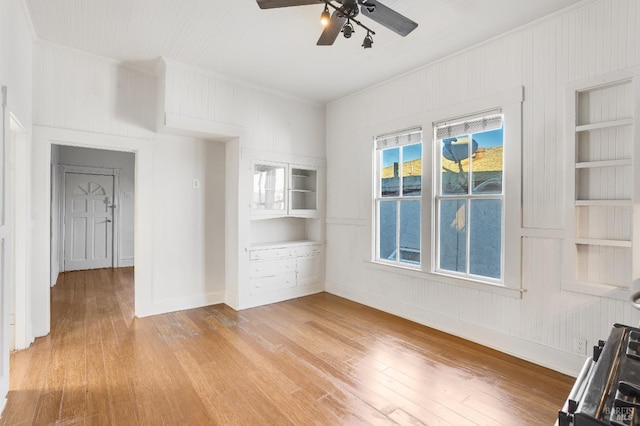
<point x="286" y="233"/>
<point x="303" y="190"/>
<point x="603" y="150"/>
<point x="282" y="189"/>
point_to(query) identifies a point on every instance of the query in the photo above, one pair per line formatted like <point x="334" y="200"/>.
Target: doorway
<point x="92" y="209"/>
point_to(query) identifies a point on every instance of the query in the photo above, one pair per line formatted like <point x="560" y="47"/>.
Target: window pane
<point x="268" y="187"/>
<point x="455" y="165"/>
<point x="387" y="232"/>
<point x="390" y="184"/>
<point x="410" y="232"/>
<point x="412" y="170"/>
<point x="487" y="162"/>
<point x="486" y="238"/>
<point x="453" y="235"/>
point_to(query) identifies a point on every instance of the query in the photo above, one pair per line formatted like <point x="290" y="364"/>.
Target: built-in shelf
<point x="284" y="240"/>
<point x="604" y="163"/>
<point x="612" y="203"/>
<point x="304" y="184"/>
<point x="282" y="244"/>
<point x="602" y="151"/>
<point x="603" y="242"/>
<point x="284" y="190"/>
<point x="605" y="125"/>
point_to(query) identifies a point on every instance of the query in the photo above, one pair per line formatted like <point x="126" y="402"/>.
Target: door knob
<point x="108" y="220"/>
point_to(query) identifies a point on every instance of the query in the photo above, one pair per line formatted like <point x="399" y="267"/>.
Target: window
<point x="399" y="197"/>
<point x="469" y="197"/>
<point x="448" y="202"/>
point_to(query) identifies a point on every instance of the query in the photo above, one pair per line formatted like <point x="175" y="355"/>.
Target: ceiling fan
<point x="344" y="16"/>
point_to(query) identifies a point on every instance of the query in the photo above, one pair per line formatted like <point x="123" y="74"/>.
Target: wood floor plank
<point x="318" y="360"/>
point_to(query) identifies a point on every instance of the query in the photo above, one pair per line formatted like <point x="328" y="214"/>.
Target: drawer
<point x="305" y="251"/>
<point x="265" y="268"/>
<point x="272" y="283"/>
<point x="268" y="254"/>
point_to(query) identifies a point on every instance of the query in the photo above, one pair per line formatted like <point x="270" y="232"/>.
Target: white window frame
<point x="383" y="142"/>
<point x="439" y="197"/>
<point x="510" y="102"/>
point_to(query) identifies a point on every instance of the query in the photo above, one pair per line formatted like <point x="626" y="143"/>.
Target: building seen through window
<point x="469" y="198"/>
<point x="399" y="198"/>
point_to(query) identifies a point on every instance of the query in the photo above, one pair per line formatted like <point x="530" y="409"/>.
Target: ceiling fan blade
<point x="272" y="4"/>
<point x="332" y="29"/>
<point x="387" y="17"/>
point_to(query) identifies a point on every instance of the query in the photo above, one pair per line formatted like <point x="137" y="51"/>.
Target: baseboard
<point x="54" y="277"/>
<point x="536" y="353"/>
<point x="277" y="297"/>
<point x="181" y="304"/>
<point x="124" y="263"/>
<point x="231" y="300"/>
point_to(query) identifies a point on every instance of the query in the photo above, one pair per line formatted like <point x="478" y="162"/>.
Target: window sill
<point x="515" y="293"/>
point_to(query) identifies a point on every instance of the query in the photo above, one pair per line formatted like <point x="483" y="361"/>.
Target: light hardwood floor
<point x="315" y="360"/>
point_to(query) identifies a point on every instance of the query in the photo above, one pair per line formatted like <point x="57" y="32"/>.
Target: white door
<point x="5" y="249"/>
<point x="88" y="234"/>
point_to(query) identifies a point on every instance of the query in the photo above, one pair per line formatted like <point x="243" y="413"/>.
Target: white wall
<point x="16" y="47"/>
<point x="596" y="38"/>
<point x="87" y="101"/>
<point x="256" y="122"/>
<point x="189" y="222"/>
<point x="16" y="38"/>
<point x="91" y="102"/>
<point x="125" y="162"/>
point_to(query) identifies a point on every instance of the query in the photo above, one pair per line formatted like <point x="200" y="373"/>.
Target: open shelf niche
<point x="603" y="150"/>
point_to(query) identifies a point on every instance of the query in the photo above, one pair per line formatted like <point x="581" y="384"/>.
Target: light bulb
<point x="325" y="17"/>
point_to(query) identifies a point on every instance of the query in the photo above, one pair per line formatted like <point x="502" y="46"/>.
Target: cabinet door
<point x="303" y="191"/>
<point x="269" y="188"/>
<point x="307" y="269"/>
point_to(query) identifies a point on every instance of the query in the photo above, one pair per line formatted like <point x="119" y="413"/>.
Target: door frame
<point x="5" y="251"/>
<point x="20" y="197"/>
<point x="63" y="169"/>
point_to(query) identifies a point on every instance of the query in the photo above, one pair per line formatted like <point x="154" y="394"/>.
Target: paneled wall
<point x="590" y="40"/>
<point x="257" y="123"/>
<point x="16" y="38"/>
<point x="270" y="121"/>
<point x="88" y="101"/>
<point x="16" y="49"/>
<point x="83" y="92"/>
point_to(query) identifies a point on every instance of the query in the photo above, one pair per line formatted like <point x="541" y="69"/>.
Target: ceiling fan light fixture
<point x="325" y="17"/>
<point x="367" y="43"/>
<point x="348" y="30"/>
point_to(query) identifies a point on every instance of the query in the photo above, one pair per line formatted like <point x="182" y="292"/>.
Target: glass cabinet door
<point x="269" y="187"/>
<point x="304" y="197"/>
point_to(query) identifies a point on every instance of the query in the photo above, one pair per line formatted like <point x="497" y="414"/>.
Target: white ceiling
<point x="276" y="48"/>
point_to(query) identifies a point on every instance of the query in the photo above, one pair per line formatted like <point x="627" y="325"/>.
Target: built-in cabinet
<point x="269" y="189"/>
<point x="602" y="186"/>
<point x="284" y="266"/>
<point x="282" y="189"/>
<point x="286" y="232"/>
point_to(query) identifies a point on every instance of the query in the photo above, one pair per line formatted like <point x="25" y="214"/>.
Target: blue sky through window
<point x="489" y="139"/>
<point x="412" y="152"/>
